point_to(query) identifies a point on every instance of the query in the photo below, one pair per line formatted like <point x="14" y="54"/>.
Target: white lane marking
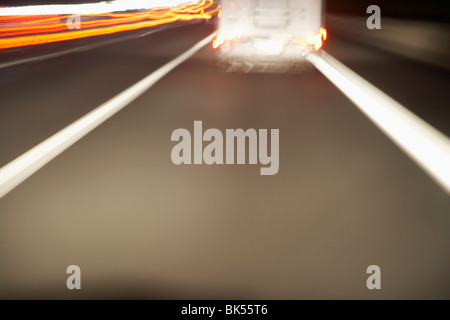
<point x="74" y="50"/>
<point x="92" y="8"/>
<point x="15" y="172"/>
<point x="424" y="144"/>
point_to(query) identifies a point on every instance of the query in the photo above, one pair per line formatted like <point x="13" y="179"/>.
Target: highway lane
<point x="38" y="99"/>
<point x="139" y="226"/>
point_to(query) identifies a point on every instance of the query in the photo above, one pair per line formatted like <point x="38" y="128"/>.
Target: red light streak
<point x="19" y="31"/>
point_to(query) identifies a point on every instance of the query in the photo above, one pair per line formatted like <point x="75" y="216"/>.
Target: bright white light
<point x="268" y="47"/>
<point x="428" y="147"/>
<point x="93" y="8"/>
<point x="24" y="166"/>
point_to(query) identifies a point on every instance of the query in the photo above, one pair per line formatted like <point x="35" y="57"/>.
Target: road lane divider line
<point x="74" y="50"/>
<point x="424" y="144"/>
<point x="15" y="172"/>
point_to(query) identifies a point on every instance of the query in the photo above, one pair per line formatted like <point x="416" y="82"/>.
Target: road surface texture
<point x="345" y="196"/>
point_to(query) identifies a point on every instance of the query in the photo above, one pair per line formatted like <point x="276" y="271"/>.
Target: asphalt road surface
<point x="345" y="196"/>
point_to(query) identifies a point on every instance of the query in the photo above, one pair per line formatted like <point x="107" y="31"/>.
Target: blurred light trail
<point x="19" y="31"/>
<point x="15" y="172"/>
<point x="316" y="41"/>
<point x="425" y="145"/>
<point x="93" y="8"/>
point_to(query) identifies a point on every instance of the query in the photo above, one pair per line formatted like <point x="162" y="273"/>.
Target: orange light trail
<point x="316" y="41"/>
<point x="220" y="40"/>
<point x="33" y="30"/>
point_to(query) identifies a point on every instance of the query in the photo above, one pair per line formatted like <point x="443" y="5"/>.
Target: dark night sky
<point x="412" y="9"/>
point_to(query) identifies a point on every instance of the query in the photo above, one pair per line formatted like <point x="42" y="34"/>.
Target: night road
<point x="345" y="196"/>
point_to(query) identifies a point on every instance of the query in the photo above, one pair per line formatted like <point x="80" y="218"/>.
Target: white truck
<point x="269" y="32"/>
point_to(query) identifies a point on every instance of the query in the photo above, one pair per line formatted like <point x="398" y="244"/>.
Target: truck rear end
<point x="269" y="32"/>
